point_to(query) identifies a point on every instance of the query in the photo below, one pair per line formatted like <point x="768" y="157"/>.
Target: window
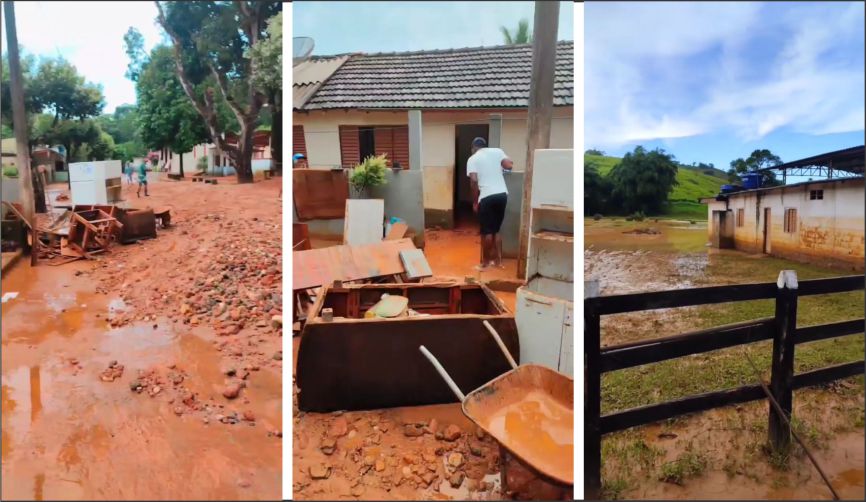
<point x="790" y="220"/>
<point x="741" y="217"/>
<point x="816" y="195"/>
<point x="357" y="143"/>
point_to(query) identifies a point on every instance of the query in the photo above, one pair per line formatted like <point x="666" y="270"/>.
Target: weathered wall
<point x="321" y="133"/>
<point x="828" y="231"/>
<point x="511" y="224"/>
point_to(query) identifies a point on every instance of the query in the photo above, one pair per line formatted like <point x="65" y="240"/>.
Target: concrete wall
<point x="321" y="133"/>
<point x="828" y="231"/>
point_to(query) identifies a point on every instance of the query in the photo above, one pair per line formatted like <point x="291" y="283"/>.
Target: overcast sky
<point x="713" y="81"/>
<point x="90" y="36"/>
<point x="338" y="27"/>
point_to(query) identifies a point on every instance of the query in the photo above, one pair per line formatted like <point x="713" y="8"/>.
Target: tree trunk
<point x="19" y="123"/>
<point x="38" y="191"/>
<point x="181" y="166"/>
<point x="244" y="157"/>
<point x="277" y="133"/>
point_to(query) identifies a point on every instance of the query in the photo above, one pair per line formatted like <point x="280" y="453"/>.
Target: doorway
<point x="767" y="227"/>
<point x="464" y="134"/>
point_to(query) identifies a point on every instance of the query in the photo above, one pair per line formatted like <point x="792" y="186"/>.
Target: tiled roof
<point x="483" y="77"/>
<point x="309" y="75"/>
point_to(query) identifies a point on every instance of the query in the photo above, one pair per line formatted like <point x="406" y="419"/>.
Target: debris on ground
<point x="112" y="373"/>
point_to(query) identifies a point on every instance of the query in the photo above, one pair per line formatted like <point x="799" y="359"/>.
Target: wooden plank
<point x="831" y="285"/>
<point x="398" y="231"/>
<point x="323" y="266"/>
<point x="828" y="374"/>
<point x="653" y="413"/>
<point x="661" y="349"/>
<point x="415" y="264"/>
<point x="617" y="304"/>
<point x="831" y="330"/>
<point x="782" y="363"/>
<point x="363" y="222"/>
<point x="301" y="237"/>
<point x="592" y="421"/>
<point x="319" y="194"/>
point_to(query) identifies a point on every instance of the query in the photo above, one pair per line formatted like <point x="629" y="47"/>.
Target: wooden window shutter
<point x="383" y="139"/>
<point x="401" y="146"/>
<point x="350" y="149"/>
<point x="299" y="142"/>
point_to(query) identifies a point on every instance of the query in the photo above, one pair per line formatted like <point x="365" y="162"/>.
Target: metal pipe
<point x="444" y="374"/>
<point x="500" y="343"/>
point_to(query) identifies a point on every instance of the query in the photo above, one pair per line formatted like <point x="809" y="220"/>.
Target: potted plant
<point x="369" y="174"/>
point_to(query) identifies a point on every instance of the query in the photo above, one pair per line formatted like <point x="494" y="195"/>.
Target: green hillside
<point x="692" y="186"/>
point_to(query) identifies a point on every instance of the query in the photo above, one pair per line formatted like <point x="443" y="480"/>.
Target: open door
<point x="464" y="134"/>
<point x="767" y="230"/>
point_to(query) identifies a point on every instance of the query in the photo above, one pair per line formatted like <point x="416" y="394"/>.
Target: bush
<point x="638" y="216"/>
<point x="370" y="173"/>
<point x="201" y="164"/>
<point x="10" y="171"/>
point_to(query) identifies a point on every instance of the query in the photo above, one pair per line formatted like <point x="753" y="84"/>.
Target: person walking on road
<point x="142" y="179"/>
<point x="489" y="196"/>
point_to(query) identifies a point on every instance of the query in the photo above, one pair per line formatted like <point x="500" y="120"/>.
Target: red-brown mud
<point x="162" y="428"/>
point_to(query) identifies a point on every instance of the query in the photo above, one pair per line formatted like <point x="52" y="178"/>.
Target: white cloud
<point x="90" y="36"/>
<point x="812" y="84"/>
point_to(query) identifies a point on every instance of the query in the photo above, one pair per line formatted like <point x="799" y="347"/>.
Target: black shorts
<point x="491" y="212"/>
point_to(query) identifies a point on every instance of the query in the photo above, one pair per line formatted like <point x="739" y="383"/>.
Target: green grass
<point x="688" y="464"/>
<point x="692" y="186"/>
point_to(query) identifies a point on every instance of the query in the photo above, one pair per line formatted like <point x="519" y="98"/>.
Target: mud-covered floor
<point x="718" y="454"/>
<point x="410" y="453"/>
<point x="189" y="318"/>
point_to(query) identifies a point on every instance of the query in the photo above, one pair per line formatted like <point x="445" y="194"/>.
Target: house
<point x="814" y="221"/>
<point x="51" y="159"/>
<point x="261" y="156"/>
<point x="423" y="109"/>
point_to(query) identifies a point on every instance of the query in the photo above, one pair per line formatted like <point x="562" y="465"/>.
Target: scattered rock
<point x="357" y="491"/>
<point x="451" y="433"/>
<point x="328" y="445"/>
<point x="475" y="449"/>
<point x="380" y="465"/>
<point x="232" y="390"/>
<point x="244" y="483"/>
<point x="110" y="374"/>
<point x="413" y="430"/>
<point x="339" y="427"/>
<point x="320" y="471"/>
<point x="456" y="479"/>
<point x="455" y="459"/>
<point x="249" y="416"/>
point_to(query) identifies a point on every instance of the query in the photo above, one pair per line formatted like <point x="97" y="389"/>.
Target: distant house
<point x="348" y="107"/>
<point x="819" y="222"/>
<point x="51" y="159"/>
<point x="215" y="161"/>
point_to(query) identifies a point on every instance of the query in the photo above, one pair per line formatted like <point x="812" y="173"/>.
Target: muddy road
<point x="153" y="372"/>
<point x="718" y="454"/>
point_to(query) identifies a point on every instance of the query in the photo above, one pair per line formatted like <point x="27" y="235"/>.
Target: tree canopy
<point x="643" y="180"/>
<point x="758" y="159"/>
<point x="521" y="35"/>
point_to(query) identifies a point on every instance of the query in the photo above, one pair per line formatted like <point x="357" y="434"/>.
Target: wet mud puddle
<point x="540" y="430"/>
<point x="73" y="428"/>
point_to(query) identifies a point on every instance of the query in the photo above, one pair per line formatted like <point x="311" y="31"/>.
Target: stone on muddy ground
<point x="455" y="460"/>
<point x="249" y="416"/>
<point x="357" y="491"/>
<point x="320" y="471"/>
<point x="456" y="479"/>
<point x="380" y="465"/>
<point x="475" y="449"/>
<point x="244" y="483"/>
<point x="277" y="321"/>
<point x="451" y="433"/>
<point x="339" y="427"/>
<point x="413" y="430"/>
<point x="428" y="478"/>
<point x="328" y="446"/>
<point x="112" y="373"/>
<point x="136" y="386"/>
<point x="278" y="355"/>
<point x="232" y="390"/>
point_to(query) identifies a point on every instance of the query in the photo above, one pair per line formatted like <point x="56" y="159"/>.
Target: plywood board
<point x="317" y="267"/>
<point x="415" y="264"/>
<point x="398" y="231"/>
<point x="363" y="222"/>
<point x="319" y="194"/>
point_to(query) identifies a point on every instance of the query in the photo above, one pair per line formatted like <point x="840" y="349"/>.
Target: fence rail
<point x="781" y="328"/>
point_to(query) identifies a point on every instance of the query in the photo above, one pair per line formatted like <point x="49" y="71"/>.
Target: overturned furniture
<point x="91" y="231"/>
<point x="352" y="363"/>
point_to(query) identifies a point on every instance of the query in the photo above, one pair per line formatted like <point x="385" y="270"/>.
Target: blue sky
<point x="339" y="27"/>
<point x="90" y="36"/>
<point x="711" y="82"/>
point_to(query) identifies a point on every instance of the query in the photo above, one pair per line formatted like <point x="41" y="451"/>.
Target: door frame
<point x="767" y="227"/>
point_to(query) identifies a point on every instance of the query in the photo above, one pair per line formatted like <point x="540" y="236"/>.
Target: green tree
<point x="594" y="151"/>
<point x="210" y="40"/>
<point x="267" y="61"/>
<point x="759" y="159"/>
<point x="521" y="35"/>
<point x="643" y="180"/>
<point x="597" y="190"/>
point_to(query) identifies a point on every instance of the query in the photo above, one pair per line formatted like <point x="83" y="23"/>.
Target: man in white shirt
<point x="489" y="196"/>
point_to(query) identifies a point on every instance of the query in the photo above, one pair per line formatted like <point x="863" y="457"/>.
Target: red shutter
<point x="350" y="149"/>
<point x="383" y="139"/>
<point x="401" y="146"/>
<point x="299" y="142"/>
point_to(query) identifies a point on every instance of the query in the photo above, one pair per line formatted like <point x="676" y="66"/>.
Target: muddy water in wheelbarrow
<point x="529" y="410"/>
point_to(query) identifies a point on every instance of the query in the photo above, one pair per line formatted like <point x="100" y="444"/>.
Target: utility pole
<point x="544" y="32"/>
<point x="19" y="123"/>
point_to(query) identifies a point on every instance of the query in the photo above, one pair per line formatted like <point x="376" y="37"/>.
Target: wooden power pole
<point x="19" y="123"/>
<point x="544" y="34"/>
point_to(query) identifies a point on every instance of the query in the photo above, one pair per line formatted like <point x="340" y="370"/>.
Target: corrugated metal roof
<point x="309" y="75"/>
<point x="483" y="77"/>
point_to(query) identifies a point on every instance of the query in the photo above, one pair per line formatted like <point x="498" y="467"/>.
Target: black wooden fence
<point x="781" y="328"/>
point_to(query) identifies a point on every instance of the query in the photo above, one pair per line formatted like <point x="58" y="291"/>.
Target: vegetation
<point x="211" y="41"/>
<point x="593" y="151"/>
<point x="10" y="171"/>
<point x="267" y="60"/>
<point x="759" y="159"/>
<point x="521" y="35"/>
<point x="643" y="180"/>
<point x="369" y="174"/>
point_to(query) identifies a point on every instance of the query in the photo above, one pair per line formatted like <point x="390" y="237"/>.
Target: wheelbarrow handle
<point x="501" y="344"/>
<point x="444" y="374"/>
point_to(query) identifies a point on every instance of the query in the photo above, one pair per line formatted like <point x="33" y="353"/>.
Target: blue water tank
<point x="727" y="188"/>
<point x="751" y="181"/>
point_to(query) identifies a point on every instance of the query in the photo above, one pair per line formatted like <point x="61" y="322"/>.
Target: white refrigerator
<point x="97" y="182"/>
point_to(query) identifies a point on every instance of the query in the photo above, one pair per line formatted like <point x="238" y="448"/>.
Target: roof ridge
<point x="444" y="51"/>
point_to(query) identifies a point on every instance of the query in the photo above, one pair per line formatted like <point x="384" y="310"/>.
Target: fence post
<point x="592" y="395"/>
<point x="782" y="375"/>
